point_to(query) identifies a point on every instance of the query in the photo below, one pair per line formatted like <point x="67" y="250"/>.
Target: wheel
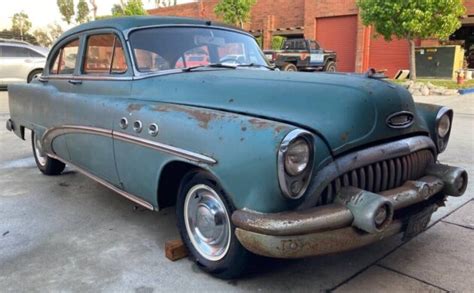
<point x="289" y="67"/>
<point x="204" y="222"/>
<point x="330" y="66"/>
<point x="45" y="164"/>
<point x="33" y="74"/>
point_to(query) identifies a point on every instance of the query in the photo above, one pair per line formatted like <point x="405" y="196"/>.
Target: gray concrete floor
<point x="68" y="233"/>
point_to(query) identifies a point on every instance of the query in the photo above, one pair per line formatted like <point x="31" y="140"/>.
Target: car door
<point x="52" y="91"/>
<point x="101" y="79"/>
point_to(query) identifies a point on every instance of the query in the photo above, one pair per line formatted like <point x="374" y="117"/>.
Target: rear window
<point x="104" y="55"/>
<point x="65" y="59"/>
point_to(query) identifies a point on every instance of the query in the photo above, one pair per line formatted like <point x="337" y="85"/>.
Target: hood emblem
<point x="399" y="120"/>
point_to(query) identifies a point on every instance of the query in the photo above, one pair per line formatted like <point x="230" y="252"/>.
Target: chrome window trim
<point x="85" y="77"/>
<point x="112" y="187"/>
<point x="283" y="177"/>
<point x="127" y="32"/>
<point x="360" y="159"/>
<point x="54" y="132"/>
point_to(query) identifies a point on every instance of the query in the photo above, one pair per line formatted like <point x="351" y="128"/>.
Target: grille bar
<point x="380" y="176"/>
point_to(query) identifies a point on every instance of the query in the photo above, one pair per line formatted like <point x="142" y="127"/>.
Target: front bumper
<point x="348" y="223"/>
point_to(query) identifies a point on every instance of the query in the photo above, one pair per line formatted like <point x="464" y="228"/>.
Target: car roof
<point x="132" y="22"/>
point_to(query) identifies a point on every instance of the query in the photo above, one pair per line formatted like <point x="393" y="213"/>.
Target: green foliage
<point x="82" y="15"/>
<point x="66" y="8"/>
<point x="9" y="34"/>
<point x="131" y="7"/>
<point x="46" y="37"/>
<point x="277" y="42"/>
<point x="21" y="24"/>
<point x="410" y="20"/>
<point x="235" y="12"/>
<point x="259" y="41"/>
<point x="42" y="37"/>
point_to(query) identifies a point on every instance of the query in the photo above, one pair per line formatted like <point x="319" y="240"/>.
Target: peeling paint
<point x="344" y="136"/>
<point x="134" y="107"/>
<point x="203" y="117"/>
<point x="259" y="123"/>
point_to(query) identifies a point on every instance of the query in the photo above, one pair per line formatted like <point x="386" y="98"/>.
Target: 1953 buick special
<point x="173" y="111"/>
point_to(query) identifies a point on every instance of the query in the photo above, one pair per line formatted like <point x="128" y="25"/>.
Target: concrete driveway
<point x="68" y="233"/>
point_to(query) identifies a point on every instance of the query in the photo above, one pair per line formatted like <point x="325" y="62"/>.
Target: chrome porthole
<point x="39" y="154"/>
<point x="123" y="123"/>
<point x="153" y="129"/>
<point x="207" y="222"/>
<point x="137" y="126"/>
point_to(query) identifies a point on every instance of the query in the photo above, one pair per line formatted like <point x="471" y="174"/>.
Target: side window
<point x="104" y="55"/>
<point x="65" y="59"/>
<point x="34" y="54"/>
<point x="11" y="51"/>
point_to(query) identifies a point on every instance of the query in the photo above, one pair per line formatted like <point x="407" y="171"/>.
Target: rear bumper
<point x="352" y="221"/>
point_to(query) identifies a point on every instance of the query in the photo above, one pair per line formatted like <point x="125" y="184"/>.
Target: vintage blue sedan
<point x="185" y="112"/>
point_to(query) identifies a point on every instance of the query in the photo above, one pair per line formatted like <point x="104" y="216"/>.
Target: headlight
<point x="443" y="128"/>
<point x="444" y="125"/>
<point x="297" y="157"/>
<point x="295" y="163"/>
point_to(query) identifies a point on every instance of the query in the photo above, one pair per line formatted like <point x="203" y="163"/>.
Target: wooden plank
<point x="175" y="250"/>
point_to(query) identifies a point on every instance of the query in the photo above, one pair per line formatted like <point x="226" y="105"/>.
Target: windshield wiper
<point x="256" y="65"/>
<point x="212" y="65"/>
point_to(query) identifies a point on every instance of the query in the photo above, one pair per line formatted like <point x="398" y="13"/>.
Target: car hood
<point x="346" y="110"/>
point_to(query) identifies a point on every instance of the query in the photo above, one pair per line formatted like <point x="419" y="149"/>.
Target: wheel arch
<point x="170" y="179"/>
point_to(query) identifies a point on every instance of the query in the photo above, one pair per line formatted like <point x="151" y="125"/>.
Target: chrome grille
<point x="380" y="176"/>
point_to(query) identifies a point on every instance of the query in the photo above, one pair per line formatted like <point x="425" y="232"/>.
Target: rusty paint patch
<point x="344" y="136"/>
<point x="231" y="100"/>
<point x="203" y="117"/>
<point x="280" y="128"/>
<point x="259" y="123"/>
<point x="134" y="107"/>
<point x="243" y="128"/>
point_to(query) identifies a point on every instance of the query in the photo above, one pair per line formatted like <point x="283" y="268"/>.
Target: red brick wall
<point x="469" y="7"/>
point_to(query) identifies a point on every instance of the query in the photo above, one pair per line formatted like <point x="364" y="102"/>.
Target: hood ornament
<point x="398" y="120"/>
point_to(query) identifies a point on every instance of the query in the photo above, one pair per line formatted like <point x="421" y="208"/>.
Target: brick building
<point x="333" y="23"/>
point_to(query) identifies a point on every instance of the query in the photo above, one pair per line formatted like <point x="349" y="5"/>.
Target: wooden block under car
<point x="175" y="250"/>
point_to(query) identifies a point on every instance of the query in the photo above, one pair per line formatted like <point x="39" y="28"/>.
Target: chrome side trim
<point x="127" y="195"/>
<point x="54" y="132"/>
<point x="50" y="134"/>
<point x="360" y="159"/>
<point x="195" y="157"/>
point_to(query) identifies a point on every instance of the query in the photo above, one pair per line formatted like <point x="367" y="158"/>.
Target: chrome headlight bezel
<point x="298" y="182"/>
<point x="442" y="140"/>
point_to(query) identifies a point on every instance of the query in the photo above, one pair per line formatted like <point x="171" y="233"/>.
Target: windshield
<point x="157" y="49"/>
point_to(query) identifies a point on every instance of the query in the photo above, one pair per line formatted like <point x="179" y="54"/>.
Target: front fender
<point x="244" y="147"/>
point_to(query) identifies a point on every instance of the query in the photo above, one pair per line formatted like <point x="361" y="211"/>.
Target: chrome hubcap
<point x="40" y="156"/>
<point x="207" y="222"/>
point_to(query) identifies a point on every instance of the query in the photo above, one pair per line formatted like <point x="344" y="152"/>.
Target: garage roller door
<point x="339" y="34"/>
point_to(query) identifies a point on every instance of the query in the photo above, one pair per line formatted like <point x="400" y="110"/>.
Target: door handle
<point x="75" y="81"/>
